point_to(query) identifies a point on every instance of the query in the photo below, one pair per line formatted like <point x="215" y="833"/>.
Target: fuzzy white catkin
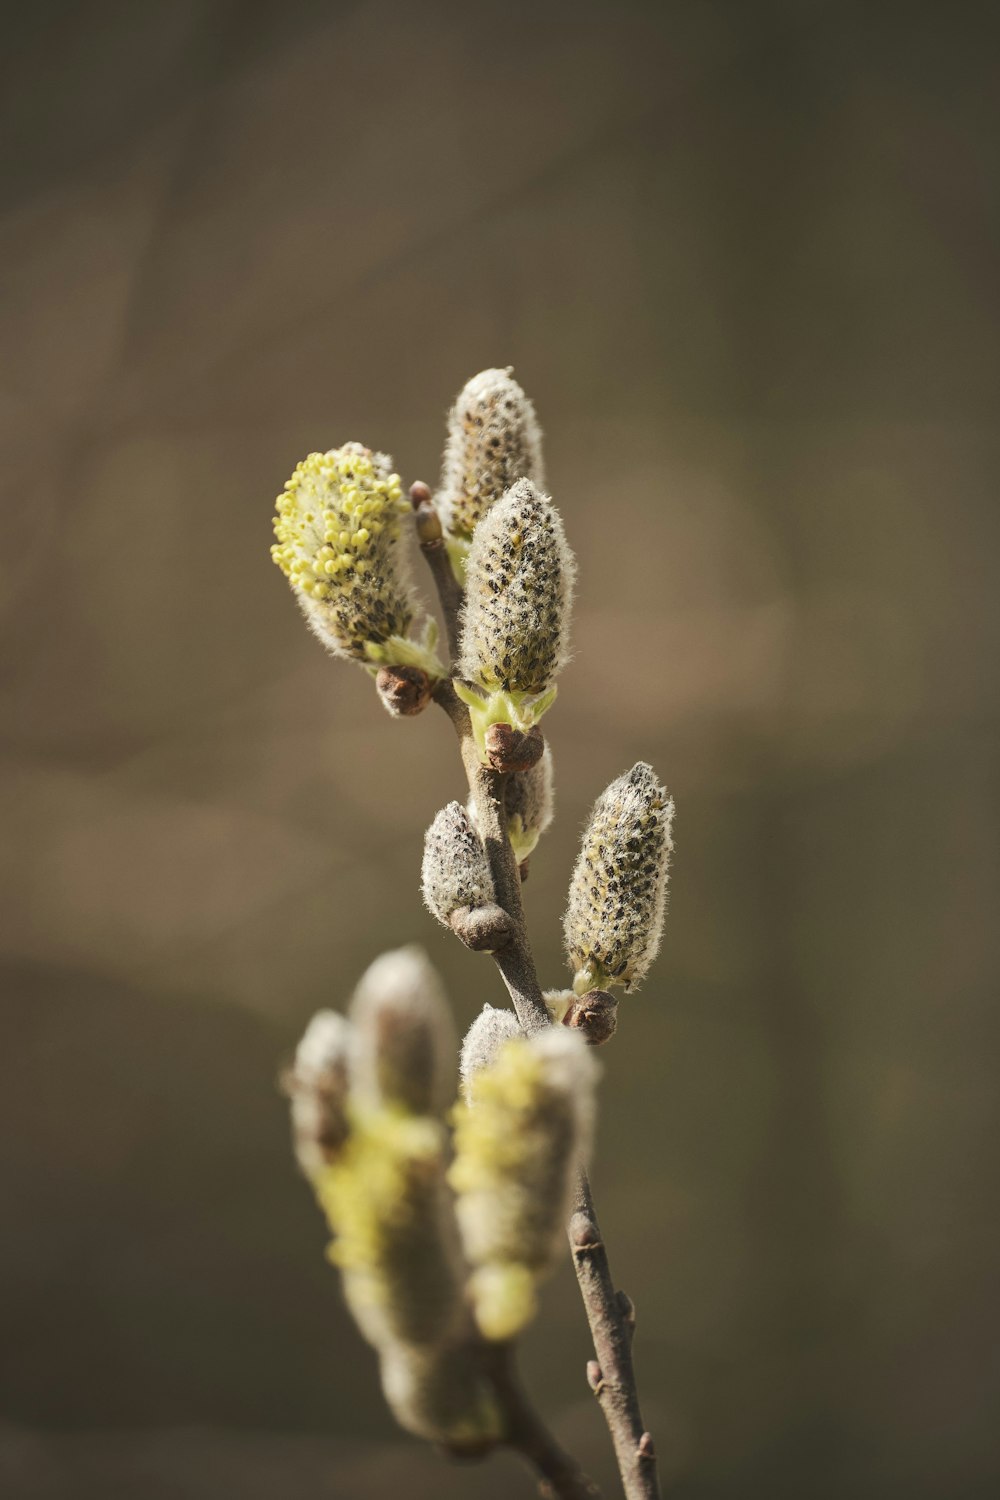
<point x="617" y="897"/>
<point x="339" y="543"/>
<point x="404" y="1042"/>
<point x="455" y="871"/>
<point x="493" y="440"/>
<point x="519" y="592"/>
<point x="318" y="1085"/>
<point x="483" y="1040"/>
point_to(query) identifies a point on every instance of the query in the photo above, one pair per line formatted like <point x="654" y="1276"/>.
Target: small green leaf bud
<point x="517" y="1146"/>
<point x="317" y="1085"/>
<point x="493" y="440"/>
<point x="515" y="624"/>
<point x="404" y="1041"/>
<point x="440" y="1394"/>
<point x="617" y="896"/>
<point x="339" y="544"/>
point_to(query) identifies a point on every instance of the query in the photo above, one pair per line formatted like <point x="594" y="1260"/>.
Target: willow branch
<point x="527" y="1434"/>
<point x="610" y="1315"/>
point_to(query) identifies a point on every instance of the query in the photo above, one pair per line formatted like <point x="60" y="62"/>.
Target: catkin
<point x="493" y="440"/>
<point x="404" y="1042"/>
<point x="455" y="871"/>
<point x="517" y="1144"/>
<point x="519" y="592"/>
<point x="617" y="896"/>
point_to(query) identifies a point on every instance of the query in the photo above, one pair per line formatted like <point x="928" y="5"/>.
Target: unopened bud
<point x="404" y="691"/>
<point x="515" y="625"/>
<point x="594" y="1016"/>
<point x="617" y="897"/>
<point x="493" y="440"/>
<point x="530" y="805"/>
<point x="457" y="884"/>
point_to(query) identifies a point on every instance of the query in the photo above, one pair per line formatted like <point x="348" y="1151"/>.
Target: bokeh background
<point x="743" y="256"/>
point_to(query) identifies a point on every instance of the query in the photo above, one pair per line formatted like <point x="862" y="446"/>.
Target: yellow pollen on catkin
<point x="338" y="529"/>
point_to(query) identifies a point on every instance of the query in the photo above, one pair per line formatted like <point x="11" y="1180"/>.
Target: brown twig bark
<point x="609" y="1313"/>
<point x="562" y="1477"/>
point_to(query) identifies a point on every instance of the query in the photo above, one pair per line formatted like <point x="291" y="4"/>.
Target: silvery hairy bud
<point x="457" y="884"/>
<point x="617" y="896"/>
<point x="317" y="1085"/>
<point x="515" y="625"/>
<point x="493" y="441"/>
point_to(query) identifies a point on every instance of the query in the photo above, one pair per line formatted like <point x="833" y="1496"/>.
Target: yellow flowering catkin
<point x="517" y="1144"/>
<point x="383" y="1190"/>
<point x="617" y="896"/>
<point x="386" y="1202"/>
<point x="339" y="544"/>
<point x="493" y="440"/>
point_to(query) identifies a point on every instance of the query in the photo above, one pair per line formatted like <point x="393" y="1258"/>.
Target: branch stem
<point x="563" y="1479"/>
<point x="611" y="1318"/>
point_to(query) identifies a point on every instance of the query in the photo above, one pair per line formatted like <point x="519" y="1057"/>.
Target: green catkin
<point x="617" y="897"/>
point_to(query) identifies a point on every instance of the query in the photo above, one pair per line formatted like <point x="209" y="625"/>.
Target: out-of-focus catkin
<point x="492" y="1027"/>
<point x="617" y="896"/>
<point x="383" y="1188"/>
<point x="440" y="1394"/>
<point x="517" y="1145"/>
<point x="339" y="544"/>
<point x="515" y="624"/>
<point x="493" y="440"/>
<point x="317" y="1086"/>
<point x="405" y="1046"/>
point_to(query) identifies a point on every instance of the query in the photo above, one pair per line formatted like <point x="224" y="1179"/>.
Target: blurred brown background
<point x="743" y="258"/>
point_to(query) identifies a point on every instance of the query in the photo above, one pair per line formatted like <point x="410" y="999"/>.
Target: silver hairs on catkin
<point x="455" y="872"/>
<point x="491" y="1028"/>
<point x="519" y="594"/>
<point x="617" y="896"/>
<point x="493" y="440"/>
